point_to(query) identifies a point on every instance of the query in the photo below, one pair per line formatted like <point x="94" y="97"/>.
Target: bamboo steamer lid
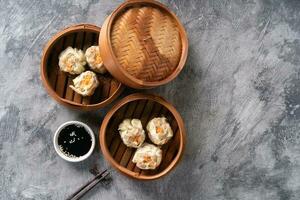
<point x="143" y="44"/>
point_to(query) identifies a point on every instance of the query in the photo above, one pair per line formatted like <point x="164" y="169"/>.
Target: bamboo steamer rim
<point x="113" y="65"/>
<point x="44" y="77"/>
<point x="115" y="108"/>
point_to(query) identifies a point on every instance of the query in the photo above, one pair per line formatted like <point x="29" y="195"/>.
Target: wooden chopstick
<point x="88" y="186"/>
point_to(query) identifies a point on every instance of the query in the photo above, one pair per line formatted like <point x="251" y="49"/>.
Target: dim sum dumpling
<point x="94" y="59"/>
<point x="132" y="132"/>
<point x="148" y="156"/>
<point x="72" y="60"/>
<point x="159" y="130"/>
<point x="86" y="83"/>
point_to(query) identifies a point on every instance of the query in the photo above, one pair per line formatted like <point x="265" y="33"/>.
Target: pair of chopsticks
<point x="89" y="185"/>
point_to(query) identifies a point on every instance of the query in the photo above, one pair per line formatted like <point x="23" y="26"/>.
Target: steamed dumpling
<point x="148" y="156"/>
<point x="86" y="83"/>
<point x="72" y="60"/>
<point x="132" y="132"/>
<point x="94" y="59"/>
<point x="159" y="130"/>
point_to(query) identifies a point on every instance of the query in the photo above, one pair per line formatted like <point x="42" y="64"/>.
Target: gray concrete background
<point x="238" y="94"/>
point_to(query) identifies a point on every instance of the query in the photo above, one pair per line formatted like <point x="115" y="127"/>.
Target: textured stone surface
<point x="238" y="94"/>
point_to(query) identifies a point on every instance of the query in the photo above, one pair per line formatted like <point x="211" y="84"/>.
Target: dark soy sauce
<point x="74" y="140"/>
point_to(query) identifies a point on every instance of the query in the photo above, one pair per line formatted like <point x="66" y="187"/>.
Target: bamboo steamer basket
<point x="57" y="82"/>
<point x="143" y="44"/>
<point x="144" y="107"/>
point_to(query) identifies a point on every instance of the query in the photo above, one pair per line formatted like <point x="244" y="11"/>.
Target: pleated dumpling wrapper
<point x="132" y="132"/>
<point x="86" y="83"/>
<point x="159" y="130"/>
<point x="148" y="156"/>
<point x="94" y="59"/>
<point x="72" y="60"/>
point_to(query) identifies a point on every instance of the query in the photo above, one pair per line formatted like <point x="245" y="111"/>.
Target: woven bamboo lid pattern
<point x="146" y="42"/>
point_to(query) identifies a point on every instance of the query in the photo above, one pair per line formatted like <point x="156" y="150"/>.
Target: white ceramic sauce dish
<point x="63" y="155"/>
